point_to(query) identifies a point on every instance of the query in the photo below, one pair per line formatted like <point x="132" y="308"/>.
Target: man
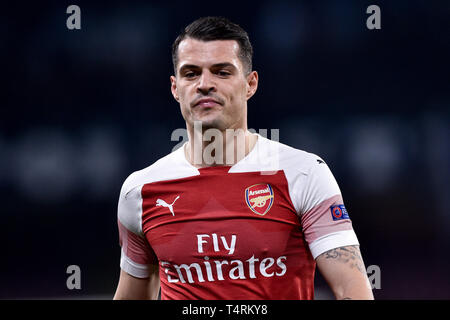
<point x="249" y="220"/>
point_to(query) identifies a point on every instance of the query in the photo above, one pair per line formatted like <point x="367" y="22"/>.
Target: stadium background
<point x="80" y="110"/>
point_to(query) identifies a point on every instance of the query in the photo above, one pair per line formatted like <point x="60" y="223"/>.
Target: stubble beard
<point x="217" y="121"/>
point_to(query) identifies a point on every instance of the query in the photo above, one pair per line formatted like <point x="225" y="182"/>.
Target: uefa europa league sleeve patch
<point x="339" y="212"/>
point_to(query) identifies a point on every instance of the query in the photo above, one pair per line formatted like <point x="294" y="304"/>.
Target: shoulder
<point x="309" y="178"/>
<point x="290" y="158"/>
<point x="171" y="166"/>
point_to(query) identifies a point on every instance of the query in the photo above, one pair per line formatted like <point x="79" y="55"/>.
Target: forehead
<point x="203" y="53"/>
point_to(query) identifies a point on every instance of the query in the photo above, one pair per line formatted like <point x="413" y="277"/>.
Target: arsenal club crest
<point x="259" y="198"/>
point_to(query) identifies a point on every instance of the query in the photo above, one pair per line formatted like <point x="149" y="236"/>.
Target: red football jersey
<point x="247" y="231"/>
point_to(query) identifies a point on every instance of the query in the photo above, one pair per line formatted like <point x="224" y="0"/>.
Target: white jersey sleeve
<point x="136" y="253"/>
<point x="325" y="221"/>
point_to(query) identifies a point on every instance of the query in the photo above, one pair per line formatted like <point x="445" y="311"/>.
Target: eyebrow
<point x="216" y="65"/>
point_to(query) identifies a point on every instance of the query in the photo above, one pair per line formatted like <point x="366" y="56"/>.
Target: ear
<point x="173" y="88"/>
<point x="252" y="84"/>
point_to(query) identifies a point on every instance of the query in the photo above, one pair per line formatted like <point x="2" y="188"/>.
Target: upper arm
<point x="325" y="221"/>
<point x="329" y="233"/>
<point x="139" y="277"/>
<point x="343" y="269"/>
<point x="132" y="288"/>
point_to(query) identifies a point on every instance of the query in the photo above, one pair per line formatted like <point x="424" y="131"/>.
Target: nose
<point x="206" y="83"/>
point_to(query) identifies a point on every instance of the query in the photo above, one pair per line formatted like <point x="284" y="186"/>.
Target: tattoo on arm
<point x="348" y="254"/>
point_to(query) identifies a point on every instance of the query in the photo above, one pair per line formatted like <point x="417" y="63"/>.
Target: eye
<point x="189" y="74"/>
<point x="223" y="73"/>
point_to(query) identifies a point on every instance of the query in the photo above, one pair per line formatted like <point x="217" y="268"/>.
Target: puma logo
<point x="162" y="203"/>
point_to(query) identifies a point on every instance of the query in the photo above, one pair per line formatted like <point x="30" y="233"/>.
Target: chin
<point x="216" y="123"/>
<point x="213" y="124"/>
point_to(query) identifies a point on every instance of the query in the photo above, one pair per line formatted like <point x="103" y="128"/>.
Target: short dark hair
<point x="216" y="28"/>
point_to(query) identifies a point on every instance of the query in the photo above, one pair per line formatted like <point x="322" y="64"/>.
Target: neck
<point x="214" y="147"/>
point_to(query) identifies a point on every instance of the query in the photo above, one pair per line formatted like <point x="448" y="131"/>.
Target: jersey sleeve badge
<point x="339" y="212"/>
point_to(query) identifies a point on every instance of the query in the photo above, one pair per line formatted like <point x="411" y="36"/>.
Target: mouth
<point x="206" y="103"/>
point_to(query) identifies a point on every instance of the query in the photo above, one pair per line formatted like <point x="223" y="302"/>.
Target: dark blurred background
<point x="82" y="109"/>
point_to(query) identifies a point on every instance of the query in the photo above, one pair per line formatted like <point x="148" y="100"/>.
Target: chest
<point x="220" y="216"/>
